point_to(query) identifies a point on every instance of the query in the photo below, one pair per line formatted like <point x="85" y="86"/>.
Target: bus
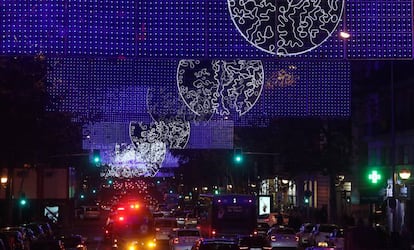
<point x="226" y="215"/>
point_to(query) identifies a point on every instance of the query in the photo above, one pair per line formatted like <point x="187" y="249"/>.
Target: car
<point x="283" y="237"/>
<point x="164" y="227"/>
<point x="321" y="233"/>
<point x="73" y="242"/>
<point x="337" y="240"/>
<point x="216" y="244"/>
<point x="184" y="239"/>
<point x="305" y="234"/>
<point x="262" y="228"/>
<point x="257" y="242"/>
<point x="270" y="219"/>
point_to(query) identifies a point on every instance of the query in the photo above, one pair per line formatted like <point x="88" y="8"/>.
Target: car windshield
<point x="252" y="241"/>
<point x="308" y="228"/>
<point x="188" y="233"/>
<point x="219" y="246"/>
<point x="263" y="216"/>
<point x="327" y="228"/>
<point x="283" y="231"/>
<point x="166" y="223"/>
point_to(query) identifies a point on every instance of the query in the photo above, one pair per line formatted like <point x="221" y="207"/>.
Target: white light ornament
<point x="128" y="161"/>
<point x="220" y="87"/>
<point x="286" y="27"/>
<point x="174" y="134"/>
<point x="164" y="104"/>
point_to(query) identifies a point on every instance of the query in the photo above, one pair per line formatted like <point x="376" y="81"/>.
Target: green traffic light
<point x="238" y="158"/>
<point x="374" y="176"/>
<point x="96" y="159"/>
<point x="306" y="200"/>
<point x="23" y="202"/>
<point x="82" y="196"/>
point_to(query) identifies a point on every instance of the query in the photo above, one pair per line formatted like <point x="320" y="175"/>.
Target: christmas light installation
<point x="287" y="27"/>
<point x="127" y="161"/>
<point x="165" y="104"/>
<point x="220" y="87"/>
<point x="174" y="134"/>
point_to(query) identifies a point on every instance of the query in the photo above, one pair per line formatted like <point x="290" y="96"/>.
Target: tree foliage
<point x="29" y="133"/>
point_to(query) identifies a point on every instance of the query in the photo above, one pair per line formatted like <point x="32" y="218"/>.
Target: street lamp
<point x="3" y="181"/>
<point x="404" y="174"/>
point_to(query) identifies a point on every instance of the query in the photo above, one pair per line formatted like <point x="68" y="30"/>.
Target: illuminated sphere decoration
<point x="286" y="27"/>
<point x="174" y="134"/>
<point x="165" y="105"/>
<point x="220" y="87"/>
<point x="129" y="161"/>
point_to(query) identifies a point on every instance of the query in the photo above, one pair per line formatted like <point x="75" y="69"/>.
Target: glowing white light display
<point x="164" y="104"/>
<point x="127" y="161"/>
<point x="287" y="27"/>
<point x="219" y="86"/>
<point x="174" y="134"/>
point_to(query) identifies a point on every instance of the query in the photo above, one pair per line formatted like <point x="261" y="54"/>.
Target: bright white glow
<point x="344" y="34"/>
<point x="405" y="174"/>
<point x="3" y="180"/>
<point x="127" y="161"/>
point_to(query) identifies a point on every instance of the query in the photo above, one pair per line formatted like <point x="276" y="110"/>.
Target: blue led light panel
<point x="32" y="27"/>
<point x="285" y="90"/>
<point x="114" y="90"/>
<point x="171" y="28"/>
<point x="329" y="89"/>
<point x="97" y="89"/>
<point x="380" y="29"/>
<point x="102" y="28"/>
<point x="224" y="40"/>
<point x="69" y="80"/>
<point x="295" y="88"/>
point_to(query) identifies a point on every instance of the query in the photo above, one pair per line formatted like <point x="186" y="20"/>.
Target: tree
<point x="30" y="134"/>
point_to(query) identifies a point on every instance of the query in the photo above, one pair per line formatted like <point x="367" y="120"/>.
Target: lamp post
<point x="404" y="175"/>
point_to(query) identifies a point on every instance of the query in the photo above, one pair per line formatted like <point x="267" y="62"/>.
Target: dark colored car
<point x="254" y="242"/>
<point x="262" y="228"/>
<point x="73" y="242"/>
<point x="216" y="244"/>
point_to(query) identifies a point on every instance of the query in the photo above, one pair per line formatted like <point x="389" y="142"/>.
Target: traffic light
<point x="238" y="156"/>
<point x="22" y="200"/>
<point x="96" y="156"/>
<point x="306" y="197"/>
<point x="110" y="182"/>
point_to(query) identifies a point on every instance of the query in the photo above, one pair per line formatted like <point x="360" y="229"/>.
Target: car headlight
<point x="322" y="244"/>
<point x="151" y="244"/>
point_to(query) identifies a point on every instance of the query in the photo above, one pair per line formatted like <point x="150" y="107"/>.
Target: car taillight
<point x="157" y="229"/>
<point x="267" y="248"/>
<point x="176" y="241"/>
<point x="121" y="218"/>
<point x="243" y="248"/>
<point x="106" y="232"/>
<point x="213" y="232"/>
<point x="273" y="238"/>
<point x="296" y="238"/>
